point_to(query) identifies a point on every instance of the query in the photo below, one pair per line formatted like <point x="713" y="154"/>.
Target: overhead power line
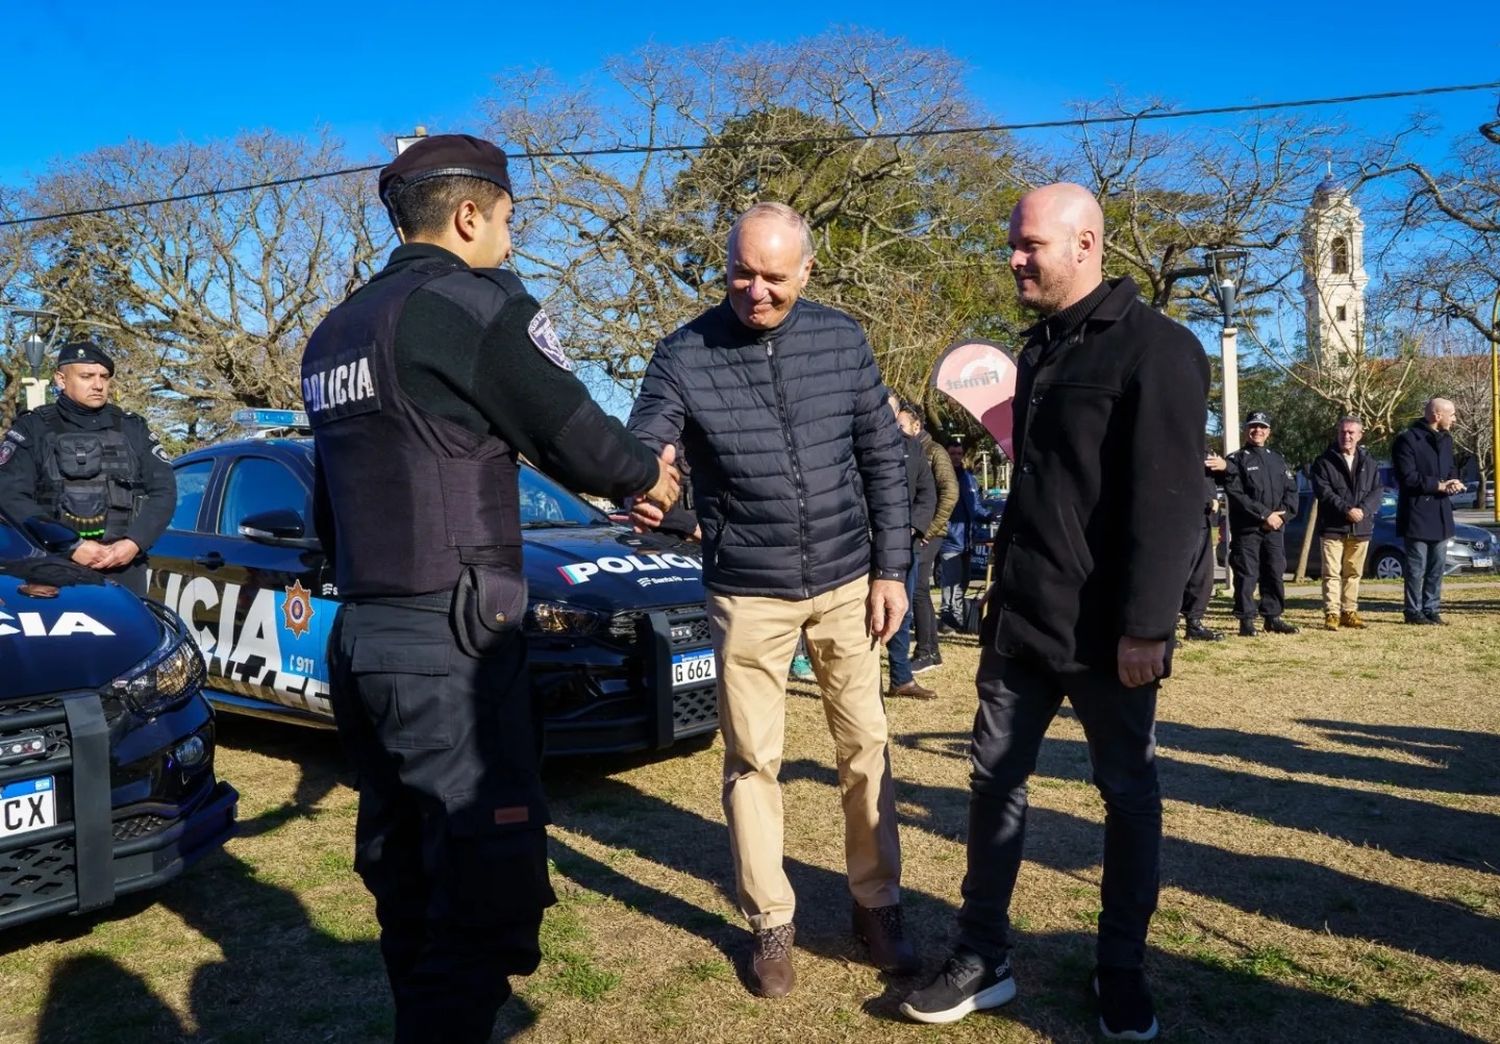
<point x="710" y="146"/>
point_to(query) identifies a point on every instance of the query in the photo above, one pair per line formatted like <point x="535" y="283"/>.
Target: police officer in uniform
<point x="1262" y="497"/>
<point x="1200" y="585"/>
<point x="422" y="387"/>
<point x="92" y="466"/>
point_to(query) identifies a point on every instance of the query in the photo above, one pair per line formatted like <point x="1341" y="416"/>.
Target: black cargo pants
<point x="1258" y="555"/>
<point x="450" y="837"/>
<point x="1200" y="586"/>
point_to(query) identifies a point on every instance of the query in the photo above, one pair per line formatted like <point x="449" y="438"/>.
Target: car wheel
<point x="1387" y="565"/>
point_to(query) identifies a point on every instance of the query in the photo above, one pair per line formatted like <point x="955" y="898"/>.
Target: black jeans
<point x="450" y="838"/>
<point x="1017" y="701"/>
<point x="1258" y="555"/>
<point x="925" y="615"/>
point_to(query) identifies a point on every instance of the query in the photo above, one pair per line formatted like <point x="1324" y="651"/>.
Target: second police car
<point x="617" y="632"/>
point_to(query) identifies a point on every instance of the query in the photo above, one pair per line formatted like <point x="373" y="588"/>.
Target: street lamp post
<point x="1227" y="271"/>
<point x="1494" y="405"/>
<point x="34" y="349"/>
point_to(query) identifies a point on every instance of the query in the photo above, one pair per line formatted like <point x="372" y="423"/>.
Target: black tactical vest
<point x="415" y="498"/>
<point x="89" y="478"/>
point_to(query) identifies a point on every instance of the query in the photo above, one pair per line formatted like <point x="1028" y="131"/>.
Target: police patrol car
<point x="617" y="631"/>
<point x="106" y="744"/>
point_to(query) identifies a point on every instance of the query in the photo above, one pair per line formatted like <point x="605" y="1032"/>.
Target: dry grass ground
<point x="1331" y="872"/>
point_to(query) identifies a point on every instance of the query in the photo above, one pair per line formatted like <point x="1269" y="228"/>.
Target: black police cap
<point x="85" y="352"/>
<point x="441" y="156"/>
<point x="1258" y="417"/>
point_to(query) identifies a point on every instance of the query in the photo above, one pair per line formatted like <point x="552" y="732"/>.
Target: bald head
<point x="1440" y="413"/>
<point x="1057" y="247"/>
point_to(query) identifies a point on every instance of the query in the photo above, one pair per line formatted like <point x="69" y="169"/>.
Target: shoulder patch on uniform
<point x="14" y="435"/>
<point x="545" y="338"/>
<point x="7" y="450"/>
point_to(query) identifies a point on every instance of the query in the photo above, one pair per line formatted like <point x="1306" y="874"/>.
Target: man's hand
<point x="645" y="516"/>
<point x="1215" y="463"/>
<point x="1451" y="486"/>
<point x="668" y="480"/>
<point x="120" y="553"/>
<point x="1141" y="661"/>
<point x="88" y="553"/>
<point x="1355" y="514"/>
<point x="885" y="609"/>
<point x="1275" y="520"/>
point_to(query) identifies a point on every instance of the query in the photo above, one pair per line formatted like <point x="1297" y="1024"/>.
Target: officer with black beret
<point x="1262" y="496"/>
<point x="92" y="466"/>
<point x="422" y="388"/>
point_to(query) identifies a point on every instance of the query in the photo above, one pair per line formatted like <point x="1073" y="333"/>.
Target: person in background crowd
<point x="1200" y="586"/>
<point x="801" y="497"/>
<point x="958" y="544"/>
<point x="92" y="466"/>
<point x="922" y="500"/>
<point x="1262" y="497"/>
<point x="1426" y="479"/>
<point x="1090" y="565"/>
<point x="927" y="654"/>
<point x="1346" y="480"/>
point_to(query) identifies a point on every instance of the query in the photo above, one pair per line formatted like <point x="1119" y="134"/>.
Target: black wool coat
<point x="1106" y="503"/>
<point x="1423" y="459"/>
<point x="1339" y="489"/>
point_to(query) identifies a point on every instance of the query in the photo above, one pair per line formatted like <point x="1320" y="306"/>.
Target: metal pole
<point x="1229" y="354"/>
<point x="35" y="391"/>
<point x="1494" y="406"/>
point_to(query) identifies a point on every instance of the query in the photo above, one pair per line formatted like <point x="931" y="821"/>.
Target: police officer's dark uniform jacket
<point x="99" y="471"/>
<point x="1341" y="488"/>
<point x="1106" y="495"/>
<point x="797" y="475"/>
<point x="1257" y="484"/>
<point x="422" y="388"/>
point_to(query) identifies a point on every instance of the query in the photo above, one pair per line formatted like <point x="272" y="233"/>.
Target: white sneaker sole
<point x="1003" y="992"/>
<point x="1149" y="1033"/>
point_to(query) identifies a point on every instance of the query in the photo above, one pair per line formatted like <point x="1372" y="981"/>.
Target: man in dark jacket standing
<point x="1090" y="563"/>
<point x="924" y="618"/>
<point x="1423" y="457"/>
<point x="1346" y="480"/>
<point x="921" y="498"/>
<point x="1200" y="586"/>
<point x="801" y="498"/>
<point x="1262" y="496"/>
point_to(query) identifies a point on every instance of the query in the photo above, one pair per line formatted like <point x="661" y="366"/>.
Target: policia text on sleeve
<point x="421" y="389"/>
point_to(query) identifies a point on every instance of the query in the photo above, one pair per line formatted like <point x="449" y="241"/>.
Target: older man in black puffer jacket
<point x="801" y="496"/>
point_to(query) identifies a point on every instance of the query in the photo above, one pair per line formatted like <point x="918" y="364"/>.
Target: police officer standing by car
<point x="1262" y="496"/>
<point x="422" y="388"/>
<point x="85" y="462"/>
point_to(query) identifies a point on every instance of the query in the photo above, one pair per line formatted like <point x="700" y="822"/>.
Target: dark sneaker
<point x="771" y="973"/>
<point x="1276" y="625"/>
<point x="926" y="662"/>
<point x="912" y="690"/>
<point x="1125" y="1009"/>
<point x="1436" y="618"/>
<point x="881" y="929"/>
<point x="1417" y="621"/>
<point x="967" y="983"/>
<point x="1247" y="628"/>
<point x="1196" y="632"/>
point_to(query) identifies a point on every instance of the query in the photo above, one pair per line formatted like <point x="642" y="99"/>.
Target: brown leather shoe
<point x="912" y="690"/>
<point x="1351" y="619"/>
<point x="771" y="973"/>
<point x="1330" y="621"/>
<point x="881" y="929"/>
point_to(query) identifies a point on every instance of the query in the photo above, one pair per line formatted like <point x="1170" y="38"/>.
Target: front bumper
<point x="612" y="692"/>
<point x="102" y="848"/>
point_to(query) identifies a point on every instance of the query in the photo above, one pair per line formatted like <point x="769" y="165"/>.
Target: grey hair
<point x="1349" y="418"/>
<point x="785" y="213"/>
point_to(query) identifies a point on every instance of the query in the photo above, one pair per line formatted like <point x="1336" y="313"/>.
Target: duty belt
<point x="436" y="602"/>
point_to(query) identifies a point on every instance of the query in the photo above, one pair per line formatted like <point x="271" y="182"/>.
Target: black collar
<point x="1106" y="303"/>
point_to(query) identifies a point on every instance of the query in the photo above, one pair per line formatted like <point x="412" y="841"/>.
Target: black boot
<point x="1276" y="625"/>
<point x="1247" y="627"/>
<point x="1196" y="632"/>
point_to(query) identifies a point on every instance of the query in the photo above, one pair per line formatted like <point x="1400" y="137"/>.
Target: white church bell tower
<point x="1334" y="279"/>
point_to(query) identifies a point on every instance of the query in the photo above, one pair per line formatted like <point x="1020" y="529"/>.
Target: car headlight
<point x="172" y="671"/>
<point x="557" y="618"/>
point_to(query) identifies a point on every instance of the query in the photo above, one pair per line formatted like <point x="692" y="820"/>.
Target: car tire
<point x="1387" y="564"/>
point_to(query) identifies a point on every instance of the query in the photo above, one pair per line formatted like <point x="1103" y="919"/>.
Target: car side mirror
<point x="52" y="534"/>
<point x="279" y="527"/>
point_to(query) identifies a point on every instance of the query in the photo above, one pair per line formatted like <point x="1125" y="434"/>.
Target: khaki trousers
<point x="754" y="640"/>
<point x="1343" y="565"/>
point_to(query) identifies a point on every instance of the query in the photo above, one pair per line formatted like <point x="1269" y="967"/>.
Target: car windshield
<point x="13" y="543"/>
<point x="545" y="504"/>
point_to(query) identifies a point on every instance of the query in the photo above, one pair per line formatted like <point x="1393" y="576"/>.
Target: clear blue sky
<point x="78" y="75"/>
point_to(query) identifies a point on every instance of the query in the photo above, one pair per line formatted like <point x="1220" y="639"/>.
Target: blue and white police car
<point x="107" y="781"/>
<point x="617" y="629"/>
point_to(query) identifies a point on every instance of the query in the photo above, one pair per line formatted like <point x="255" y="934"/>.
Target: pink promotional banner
<point x="981" y="377"/>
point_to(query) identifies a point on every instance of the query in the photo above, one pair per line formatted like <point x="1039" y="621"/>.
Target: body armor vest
<point x="89" y="479"/>
<point x="415" y="498"/>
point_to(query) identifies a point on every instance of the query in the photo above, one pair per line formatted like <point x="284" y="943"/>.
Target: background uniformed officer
<point x="92" y="466"/>
<point x="422" y="388"/>
<point x="1262" y="496"/>
<point x="1200" y="585"/>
